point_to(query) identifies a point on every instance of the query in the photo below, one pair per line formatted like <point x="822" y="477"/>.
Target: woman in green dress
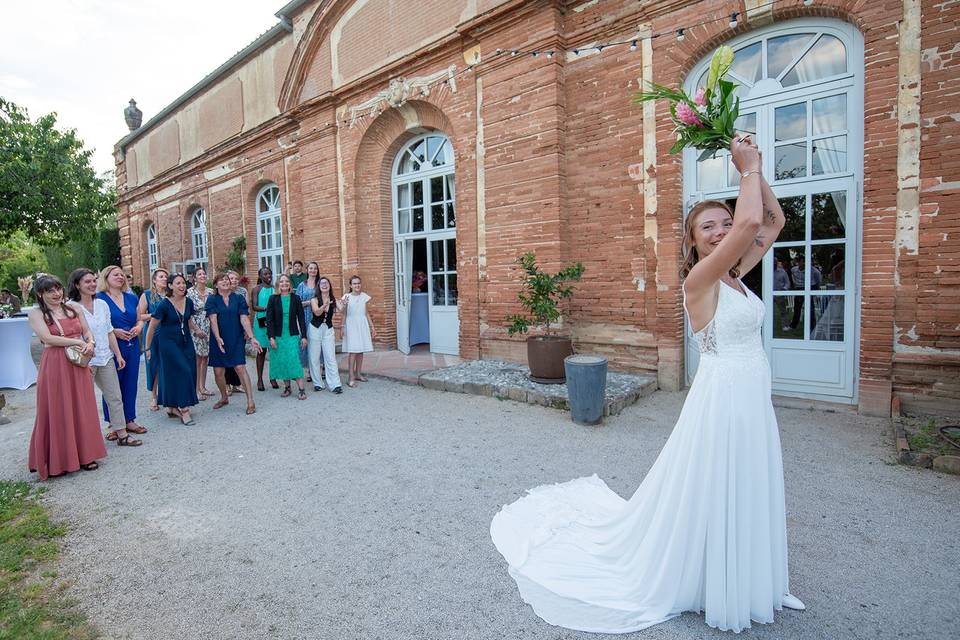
<point x="258" y="305"/>
<point x="287" y="331"/>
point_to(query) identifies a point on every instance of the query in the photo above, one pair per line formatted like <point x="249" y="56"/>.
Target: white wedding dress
<point x="706" y="529"/>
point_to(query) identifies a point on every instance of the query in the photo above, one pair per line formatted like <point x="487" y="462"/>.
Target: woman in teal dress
<point x="149" y="301"/>
<point x="287" y="331"/>
<point x="258" y="305"/>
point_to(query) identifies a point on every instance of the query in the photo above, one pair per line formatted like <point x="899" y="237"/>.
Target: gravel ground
<point x="366" y="516"/>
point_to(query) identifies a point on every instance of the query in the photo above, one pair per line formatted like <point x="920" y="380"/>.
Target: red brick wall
<point x="563" y="177"/>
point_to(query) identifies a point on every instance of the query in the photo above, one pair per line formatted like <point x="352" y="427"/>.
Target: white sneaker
<point x="792" y="602"/>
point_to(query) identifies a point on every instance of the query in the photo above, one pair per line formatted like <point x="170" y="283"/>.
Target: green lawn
<point x="33" y="605"/>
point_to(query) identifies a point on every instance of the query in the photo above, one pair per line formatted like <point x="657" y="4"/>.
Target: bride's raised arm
<point x="773" y="221"/>
<point x="742" y="230"/>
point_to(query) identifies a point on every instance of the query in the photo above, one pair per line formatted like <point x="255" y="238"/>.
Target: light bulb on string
<point x="633" y="45"/>
<point x="576" y="52"/>
<point x="514" y="52"/>
<point x="733" y="20"/>
<point x="680" y="35"/>
<point x="807" y="3"/>
<point x="549" y="54"/>
<point x="600" y="48"/>
<point x="499" y="51"/>
<point x="534" y="53"/>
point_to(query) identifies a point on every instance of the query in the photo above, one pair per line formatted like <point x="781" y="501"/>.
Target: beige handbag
<point x="74" y="354"/>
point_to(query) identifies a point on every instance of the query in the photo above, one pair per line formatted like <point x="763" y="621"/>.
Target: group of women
<point x="99" y="326"/>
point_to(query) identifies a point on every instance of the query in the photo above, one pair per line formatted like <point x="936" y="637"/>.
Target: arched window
<point x="153" y="256"/>
<point x="800" y="84"/>
<point x="198" y="236"/>
<point x="269" y="229"/>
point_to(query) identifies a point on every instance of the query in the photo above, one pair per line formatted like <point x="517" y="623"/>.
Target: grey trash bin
<point x="586" y="387"/>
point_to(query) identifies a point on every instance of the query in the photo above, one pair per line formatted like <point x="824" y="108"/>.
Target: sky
<point x="85" y="59"/>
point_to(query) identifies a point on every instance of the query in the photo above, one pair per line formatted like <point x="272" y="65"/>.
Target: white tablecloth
<point x="17" y="370"/>
<point x="419" y="318"/>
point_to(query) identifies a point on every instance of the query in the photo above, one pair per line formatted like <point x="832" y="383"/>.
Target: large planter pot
<point x="586" y="387"/>
<point x="545" y="356"/>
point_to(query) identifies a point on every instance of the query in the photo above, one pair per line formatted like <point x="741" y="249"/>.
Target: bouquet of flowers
<point x="705" y="121"/>
<point x="6" y="311"/>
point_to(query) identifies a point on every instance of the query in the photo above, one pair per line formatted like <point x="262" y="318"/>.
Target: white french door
<point x="424" y="198"/>
<point x="801" y="100"/>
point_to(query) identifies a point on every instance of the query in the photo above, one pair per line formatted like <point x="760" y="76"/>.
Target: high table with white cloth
<point x="17" y="370"/>
<point x="419" y="318"/>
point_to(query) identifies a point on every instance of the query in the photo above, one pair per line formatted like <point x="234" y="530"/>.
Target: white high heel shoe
<point x="792" y="602"/>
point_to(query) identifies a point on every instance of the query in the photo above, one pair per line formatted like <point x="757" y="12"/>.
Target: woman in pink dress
<point x="66" y="433"/>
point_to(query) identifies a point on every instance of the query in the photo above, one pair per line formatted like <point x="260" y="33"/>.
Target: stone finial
<point x="133" y="116"/>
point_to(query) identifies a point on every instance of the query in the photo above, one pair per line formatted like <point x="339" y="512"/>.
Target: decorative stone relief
<point x="400" y="90"/>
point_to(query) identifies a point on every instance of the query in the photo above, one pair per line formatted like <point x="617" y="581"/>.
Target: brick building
<point x="383" y="138"/>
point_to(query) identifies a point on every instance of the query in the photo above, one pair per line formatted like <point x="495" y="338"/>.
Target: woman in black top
<point x="322" y="341"/>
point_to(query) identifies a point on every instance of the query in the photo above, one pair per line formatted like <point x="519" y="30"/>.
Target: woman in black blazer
<point x="287" y="331"/>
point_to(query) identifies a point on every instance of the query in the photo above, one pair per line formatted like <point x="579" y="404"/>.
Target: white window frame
<point x="153" y="252"/>
<point x="198" y="236"/>
<point x="269" y="231"/>
<point x="850" y="83"/>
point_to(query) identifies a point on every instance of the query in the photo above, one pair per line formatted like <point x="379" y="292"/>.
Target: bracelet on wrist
<point x="748" y="173"/>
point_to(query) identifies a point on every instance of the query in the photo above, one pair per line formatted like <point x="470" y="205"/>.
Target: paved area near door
<point x="366" y="516"/>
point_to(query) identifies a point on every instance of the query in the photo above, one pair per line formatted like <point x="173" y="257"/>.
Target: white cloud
<point x="85" y="59"/>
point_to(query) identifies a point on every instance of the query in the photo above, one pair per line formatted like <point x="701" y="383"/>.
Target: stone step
<point x="507" y="380"/>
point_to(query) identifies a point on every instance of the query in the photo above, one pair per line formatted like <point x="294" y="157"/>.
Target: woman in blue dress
<point x="229" y="324"/>
<point x="170" y="338"/>
<point x="149" y="302"/>
<point x="112" y="288"/>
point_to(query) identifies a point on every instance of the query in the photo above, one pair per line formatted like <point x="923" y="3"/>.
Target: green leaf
<point x="719" y="65"/>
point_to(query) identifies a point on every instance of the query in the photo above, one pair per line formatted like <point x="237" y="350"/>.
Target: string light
<point x="633" y="45"/>
<point x="733" y="20"/>
<point x="680" y="35"/>
<point x="807" y="3"/>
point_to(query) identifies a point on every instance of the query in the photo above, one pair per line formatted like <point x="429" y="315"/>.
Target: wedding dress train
<point x="706" y="529"/>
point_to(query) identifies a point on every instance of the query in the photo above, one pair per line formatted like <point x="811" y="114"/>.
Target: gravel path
<point x="366" y="516"/>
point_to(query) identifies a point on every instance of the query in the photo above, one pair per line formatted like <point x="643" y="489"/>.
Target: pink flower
<point x="688" y="115"/>
<point x="700" y="98"/>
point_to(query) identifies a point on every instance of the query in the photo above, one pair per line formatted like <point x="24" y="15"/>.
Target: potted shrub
<point x="541" y="296"/>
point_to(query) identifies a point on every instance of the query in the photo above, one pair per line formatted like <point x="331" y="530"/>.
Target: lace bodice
<point x="734" y="330"/>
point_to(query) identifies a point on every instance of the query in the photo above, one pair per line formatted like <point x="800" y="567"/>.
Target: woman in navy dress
<point x="173" y="328"/>
<point x="229" y="324"/>
<point x="112" y="288"/>
<point x="149" y="301"/>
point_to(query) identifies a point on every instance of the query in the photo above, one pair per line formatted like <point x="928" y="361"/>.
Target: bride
<point x="706" y="529"/>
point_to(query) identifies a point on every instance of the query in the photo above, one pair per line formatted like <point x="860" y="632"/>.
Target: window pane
<point x="710" y="173"/>
<point x="450" y="184"/>
<point x="418" y="218"/>
<point x="829" y="155"/>
<point x="436" y="216"/>
<point x="826" y="58"/>
<point x="408" y="165"/>
<point x="403" y="195"/>
<point x="830" y="114"/>
<point x="746" y="63"/>
<point x="452" y="289"/>
<point x="826" y="318"/>
<point x="827" y="270"/>
<point x="439" y="290"/>
<point x="747" y="123"/>
<point x="451" y="216"/>
<point x="788" y="317"/>
<point x="790" y="161"/>
<point x="436" y="189"/>
<point x="794" y="210"/>
<point x="417" y="193"/>
<point x="783" y="50"/>
<point x="451" y="254"/>
<point x="790" y="122"/>
<point x="433" y="145"/>
<point x="829" y="215"/>
<point x="791" y="259"/>
<point x="403" y="220"/>
<point x="436" y="255"/>
<point x="418" y="150"/>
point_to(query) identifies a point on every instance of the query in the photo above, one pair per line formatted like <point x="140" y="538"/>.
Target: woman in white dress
<point x="358" y="331"/>
<point x="706" y="529"/>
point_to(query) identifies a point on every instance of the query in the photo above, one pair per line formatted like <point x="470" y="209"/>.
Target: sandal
<point x="352" y="384"/>
<point x="154" y="406"/>
<point x="260" y="386"/>
<point x="362" y="379"/>
<point x="302" y="395"/>
<point x="220" y="404"/>
<point x="90" y="466"/>
<point x="171" y="414"/>
<point x="286" y="392"/>
<point x="136" y="428"/>
<point x="251" y="409"/>
<point x="127" y="441"/>
<point x="188" y="422"/>
<point x="273" y="383"/>
<point x="112" y="436"/>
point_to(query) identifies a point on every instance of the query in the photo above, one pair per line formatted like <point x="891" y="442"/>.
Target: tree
<point x="19" y="256"/>
<point x="48" y="188"/>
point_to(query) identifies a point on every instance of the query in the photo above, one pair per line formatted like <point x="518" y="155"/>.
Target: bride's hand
<point x="745" y="154"/>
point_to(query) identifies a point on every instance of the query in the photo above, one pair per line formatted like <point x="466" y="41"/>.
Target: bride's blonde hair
<point x="689" y="248"/>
